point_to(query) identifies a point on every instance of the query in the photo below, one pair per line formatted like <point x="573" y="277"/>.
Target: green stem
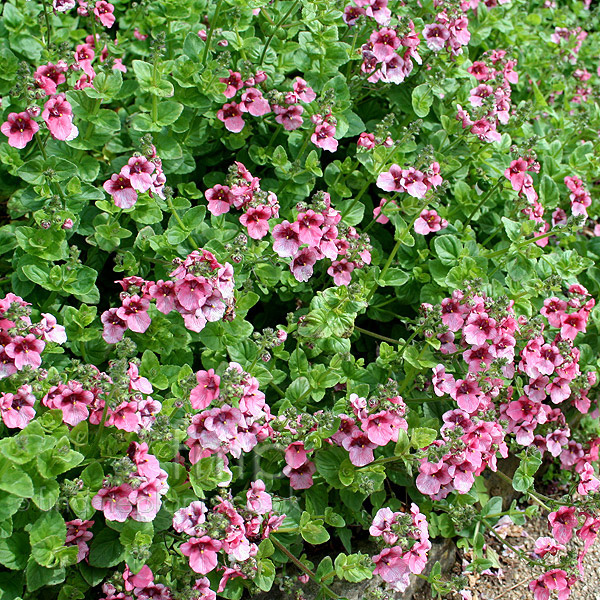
<point x="276" y="27"/>
<point x="518" y="552"/>
<point x="304" y="568"/>
<point x="360" y="194"/>
<point x="536" y="496"/>
<point x="483" y="200"/>
<point x="521" y="244"/>
<point x="48" y="25"/>
<point x="211" y="30"/>
<point x="377" y="336"/>
<point x="101" y="427"/>
<point x="279" y="391"/>
<point x="180" y="222"/>
<point x="41" y="146"/>
<point x="386" y="267"/>
<point x="135" y="16"/>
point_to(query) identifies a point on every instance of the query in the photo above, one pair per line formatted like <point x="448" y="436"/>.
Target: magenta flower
<point x="202" y="553"/>
<point x="125" y="417"/>
<point x="256" y="220"/>
<point x="303" y="91"/>
<point x="429" y="222"/>
<point x="139" y="172"/>
<point x="134" y="313"/>
<point x="49" y="76"/>
<point x="435" y="36"/>
<point x="295" y="455"/>
<point x="136" y="382"/>
<point x="19" y="128"/>
<point x="300" y="478"/>
<point x="114" y="502"/>
<point x="303" y="263"/>
<point x="58" y="116"/>
<point x="572" y="324"/>
<point x="323" y="137"/>
<point x="392" y="180"/>
<point x="25" y="351"/>
<point x="189" y="519"/>
<point x="17" y="409"/>
<point x="219" y="199"/>
<point x="51" y="330"/>
<point x="563" y="522"/>
<point x="479" y="328"/>
<point x="432" y="476"/>
<point x="254" y="103"/>
<point x="287" y="239"/>
<point x="231" y="115"/>
<point x="73" y="400"/>
<point x="122" y="192"/>
<point x="360" y="448"/>
<point x="114" y="326"/>
<point x="207" y="389"/>
<point x="143" y="578"/>
<point x="467" y="394"/>
<point x="258" y="500"/>
<point x="309" y="227"/>
<point x="104" y="13"/>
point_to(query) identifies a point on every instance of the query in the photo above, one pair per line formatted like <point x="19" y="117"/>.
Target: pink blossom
<point x="114" y="326"/>
<point x="231" y="115"/>
<point x="432" y="476"/>
<point x="258" y="500"/>
<point x="301" y="477"/>
<point x="207" y="389"/>
<point x="104" y="12"/>
<point x="360" y="448"/>
<point x="58" y="116"/>
<point x="139" y="172"/>
<point x="114" y="502"/>
<point x="190" y="518"/>
<point x="122" y="192"/>
<point x="295" y="455"/>
<point x="20" y="129"/>
<point x="202" y="553"/>
<point x="286" y="238"/>
<point x="234" y="83"/>
<point x="384" y="43"/>
<point x="303" y="263"/>
<point x="256" y="220"/>
<point x="435" y="36"/>
<point x="136" y="382"/>
<point x="17" y="409"/>
<point x="25" y="351"/>
<point x="429" y="222"/>
<point x="134" y="313"/>
<point x="341" y="271"/>
<point x="391" y="567"/>
<point x="254" y="103"/>
<point x="290" y="116"/>
<point x="303" y="91"/>
<point x="563" y="522"/>
<point x="323" y="137"/>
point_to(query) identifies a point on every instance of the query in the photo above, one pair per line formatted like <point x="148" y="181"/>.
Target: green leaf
<point x="168" y="112"/>
<point x="422" y="437"/>
<point x="106" y="549"/>
<point x="15" y="481"/>
<point x="422" y="99"/>
<point x="14" y="551"/>
<point x="38" y="576"/>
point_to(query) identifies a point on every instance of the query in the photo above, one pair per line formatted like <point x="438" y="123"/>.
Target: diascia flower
<point x="19" y="128"/>
<point x="58" y="116"/>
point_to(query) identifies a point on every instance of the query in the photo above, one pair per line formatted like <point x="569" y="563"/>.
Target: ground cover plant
<point x="282" y="283"/>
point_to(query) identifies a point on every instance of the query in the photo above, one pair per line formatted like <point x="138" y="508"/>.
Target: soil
<point x="511" y="581"/>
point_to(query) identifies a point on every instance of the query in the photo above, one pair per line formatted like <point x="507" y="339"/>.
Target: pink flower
<point x="309" y="227"/>
<point x="563" y="521"/>
<point x="432" y="476"/>
<point x="203" y="586"/>
<point x="104" y="12"/>
<point x="137" y="383"/>
<point x="479" y="328"/>
<point x="19" y="128"/>
<point x="300" y="478"/>
<point x="303" y="91"/>
<point x="114" y="326"/>
<point x="139" y="172"/>
<point x="289" y="116"/>
<point x="25" y="351"/>
<point x="295" y="455"/>
<point x="202" y="553"/>
<point x="51" y="330"/>
<point x="122" y="192"/>
<point x="190" y="518"/>
<point x="256" y="220"/>
<point x="392" y="180"/>
<point x="287" y="239"/>
<point x="341" y="271"/>
<point x="323" y="137"/>
<point x="58" y="116"/>
<point x="258" y="500"/>
<point x="134" y="313"/>
<point x="231" y="115"/>
<point x="546" y="545"/>
<point x="234" y="83"/>
<point x="384" y="42"/>
<point x="114" y="502"/>
<point x="49" y="76"/>
<point x="366" y="140"/>
<point x="17" y="409"/>
<point x="207" y="389"/>
<point x="254" y="103"/>
<point x="572" y="324"/>
<point x="429" y="222"/>
<point x="360" y="448"/>
<point x="125" y="417"/>
<point x="303" y="263"/>
<point x="142" y="579"/>
<point x="391" y="567"/>
<point x="467" y="394"/>
<point x="435" y="36"/>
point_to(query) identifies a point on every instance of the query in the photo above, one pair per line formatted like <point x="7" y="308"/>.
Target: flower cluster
<point x="138" y="496"/>
<point x="448" y="31"/>
<point x="375" y="423"/>
<point x="141" y="174"/>
<point x="406" y="536"/>
<point x="231" y="527"/>
<point x="239" y="417"/>
<point x="389" y="53"/>
<point x="491" y="97"/>
<point x="412" y="181"/>
<point x="199" y="290"/>
<point x="569" y="42"/>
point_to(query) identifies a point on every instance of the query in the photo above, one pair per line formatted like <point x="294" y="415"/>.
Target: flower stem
<point x="304" y="568"/>
<point x="276" y="27"/>
<point x="483" y="201"/>
<point x="211" y="30"/>
<point x="48" y="25"/>
<point x="377" y="336"/>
